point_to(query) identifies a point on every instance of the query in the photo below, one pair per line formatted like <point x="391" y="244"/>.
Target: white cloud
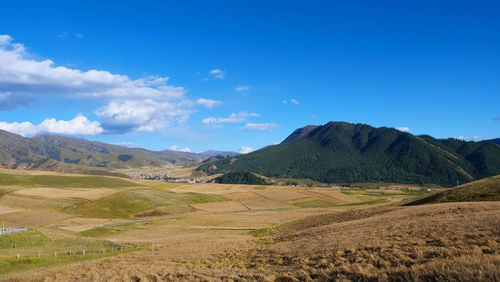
<point x="259" y="126"/>
<point x="232" y="118"/>
<point x="80" y="125"/>
<point x="185" y="149"/>
<point x="22" y="75"/>
<point x="208" y="102"/>
<point x="5" y="39"/>
<point x="242" y="88"/>
<point x="144" y="104"/>
<point x="147" y="115"/>
<point x="217" y="74"/>
<point x="470" y="138"/>
<point x="293" y="101"/>
<point x="245" y="150"/>
<point x="404" y="129"/>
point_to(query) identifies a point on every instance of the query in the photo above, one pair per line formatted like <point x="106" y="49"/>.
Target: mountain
<point x="496" y="141"/>
<point x="487" y="189"/>
<point x="213" y="153"/>
<point x="340" y="152"/>
<point x="52" y="152"/>
<point x="210" y="153"/>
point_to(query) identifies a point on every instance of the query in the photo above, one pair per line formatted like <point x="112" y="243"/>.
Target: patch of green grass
<point x="28" y="256"/>
<point x="311" y="203"/>
<point x="369" y="202"/>
<point x="63" y="181"/>
<point x="260" y="187"/>
<point x="102" y="231"/>
<point x="125" y="204"/>
<point x="347" y="192"/>
<point x="486" y="189"/>
<point x="30" y="238"/>
<point x="260" y="232"/>
<point x="165" y="186"/>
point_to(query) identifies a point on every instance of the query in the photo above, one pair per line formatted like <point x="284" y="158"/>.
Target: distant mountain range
<point x="496" y="141"/>
<point x="59" y="153"/>
<point x="340" y="152"/>
<point x="210" y="153"/>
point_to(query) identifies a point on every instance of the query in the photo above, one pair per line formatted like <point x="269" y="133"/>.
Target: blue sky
<point x="245" y="74"/>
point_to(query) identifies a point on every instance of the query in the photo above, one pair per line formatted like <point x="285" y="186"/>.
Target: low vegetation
<point x="440" y="242"/>
<point x="487" y="189"/>
<point x="28" y="250"/>
<point x="63" y="181"/>
<point x="128" y="203"/>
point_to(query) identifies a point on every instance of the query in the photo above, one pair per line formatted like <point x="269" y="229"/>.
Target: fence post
<point x="38" y="253"/>
<point x="83" y="251"/>
<point x="18" y="256"/>
<point x="55" y="254"/>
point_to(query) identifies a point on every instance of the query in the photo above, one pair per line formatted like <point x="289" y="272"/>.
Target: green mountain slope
<point x="52" y="152"/>
<point x="487" y="189"/>
<point x="340" y="152"/>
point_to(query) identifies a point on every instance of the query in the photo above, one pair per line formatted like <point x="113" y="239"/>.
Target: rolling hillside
<point x="52" y="152"/>
<point x="340" y="152"/>
<point x="487" y="189"/>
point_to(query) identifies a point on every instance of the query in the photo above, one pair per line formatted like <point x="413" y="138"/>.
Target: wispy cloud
<point x="471" y="138"/>
<point x="292" y="101"/>
<point x="208" y="102"/>
<point x="404" y="129"/>
<point x="185" y="149"/>
<point x="128" y="144"/>
<point x="259" y="126"/>
<point x="245" y="150"/>
<point x="242" y="88"/>
<point x="232" y="118"/>
<point x="216" y="74"/>
<point x="80" y="125"/>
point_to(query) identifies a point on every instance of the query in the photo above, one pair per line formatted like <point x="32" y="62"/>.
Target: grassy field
<point x="487" y="189"/>
<point x="238" y="232"/>
<point x="128" y="203"/>
<point x="37" y="250"/>
<point x="63" y="181"/>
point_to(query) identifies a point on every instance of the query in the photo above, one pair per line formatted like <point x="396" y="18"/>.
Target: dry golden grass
<point x="30" y="203"/>
<point x="281" y="194"/>
<point x="424" y="243"/>
<point x="33" y="217"/>
<point x="55" y="193"/>
<point x="211" y="241"/>
<point x="332" y="195"/>
<point x="6" y="209"/>
<point x="79" y="224"/>
<point x="263" y="204"/>
<point x="219" y="207"/>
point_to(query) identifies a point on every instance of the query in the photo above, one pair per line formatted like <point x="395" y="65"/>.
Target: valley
<point x="110" y="216"/>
